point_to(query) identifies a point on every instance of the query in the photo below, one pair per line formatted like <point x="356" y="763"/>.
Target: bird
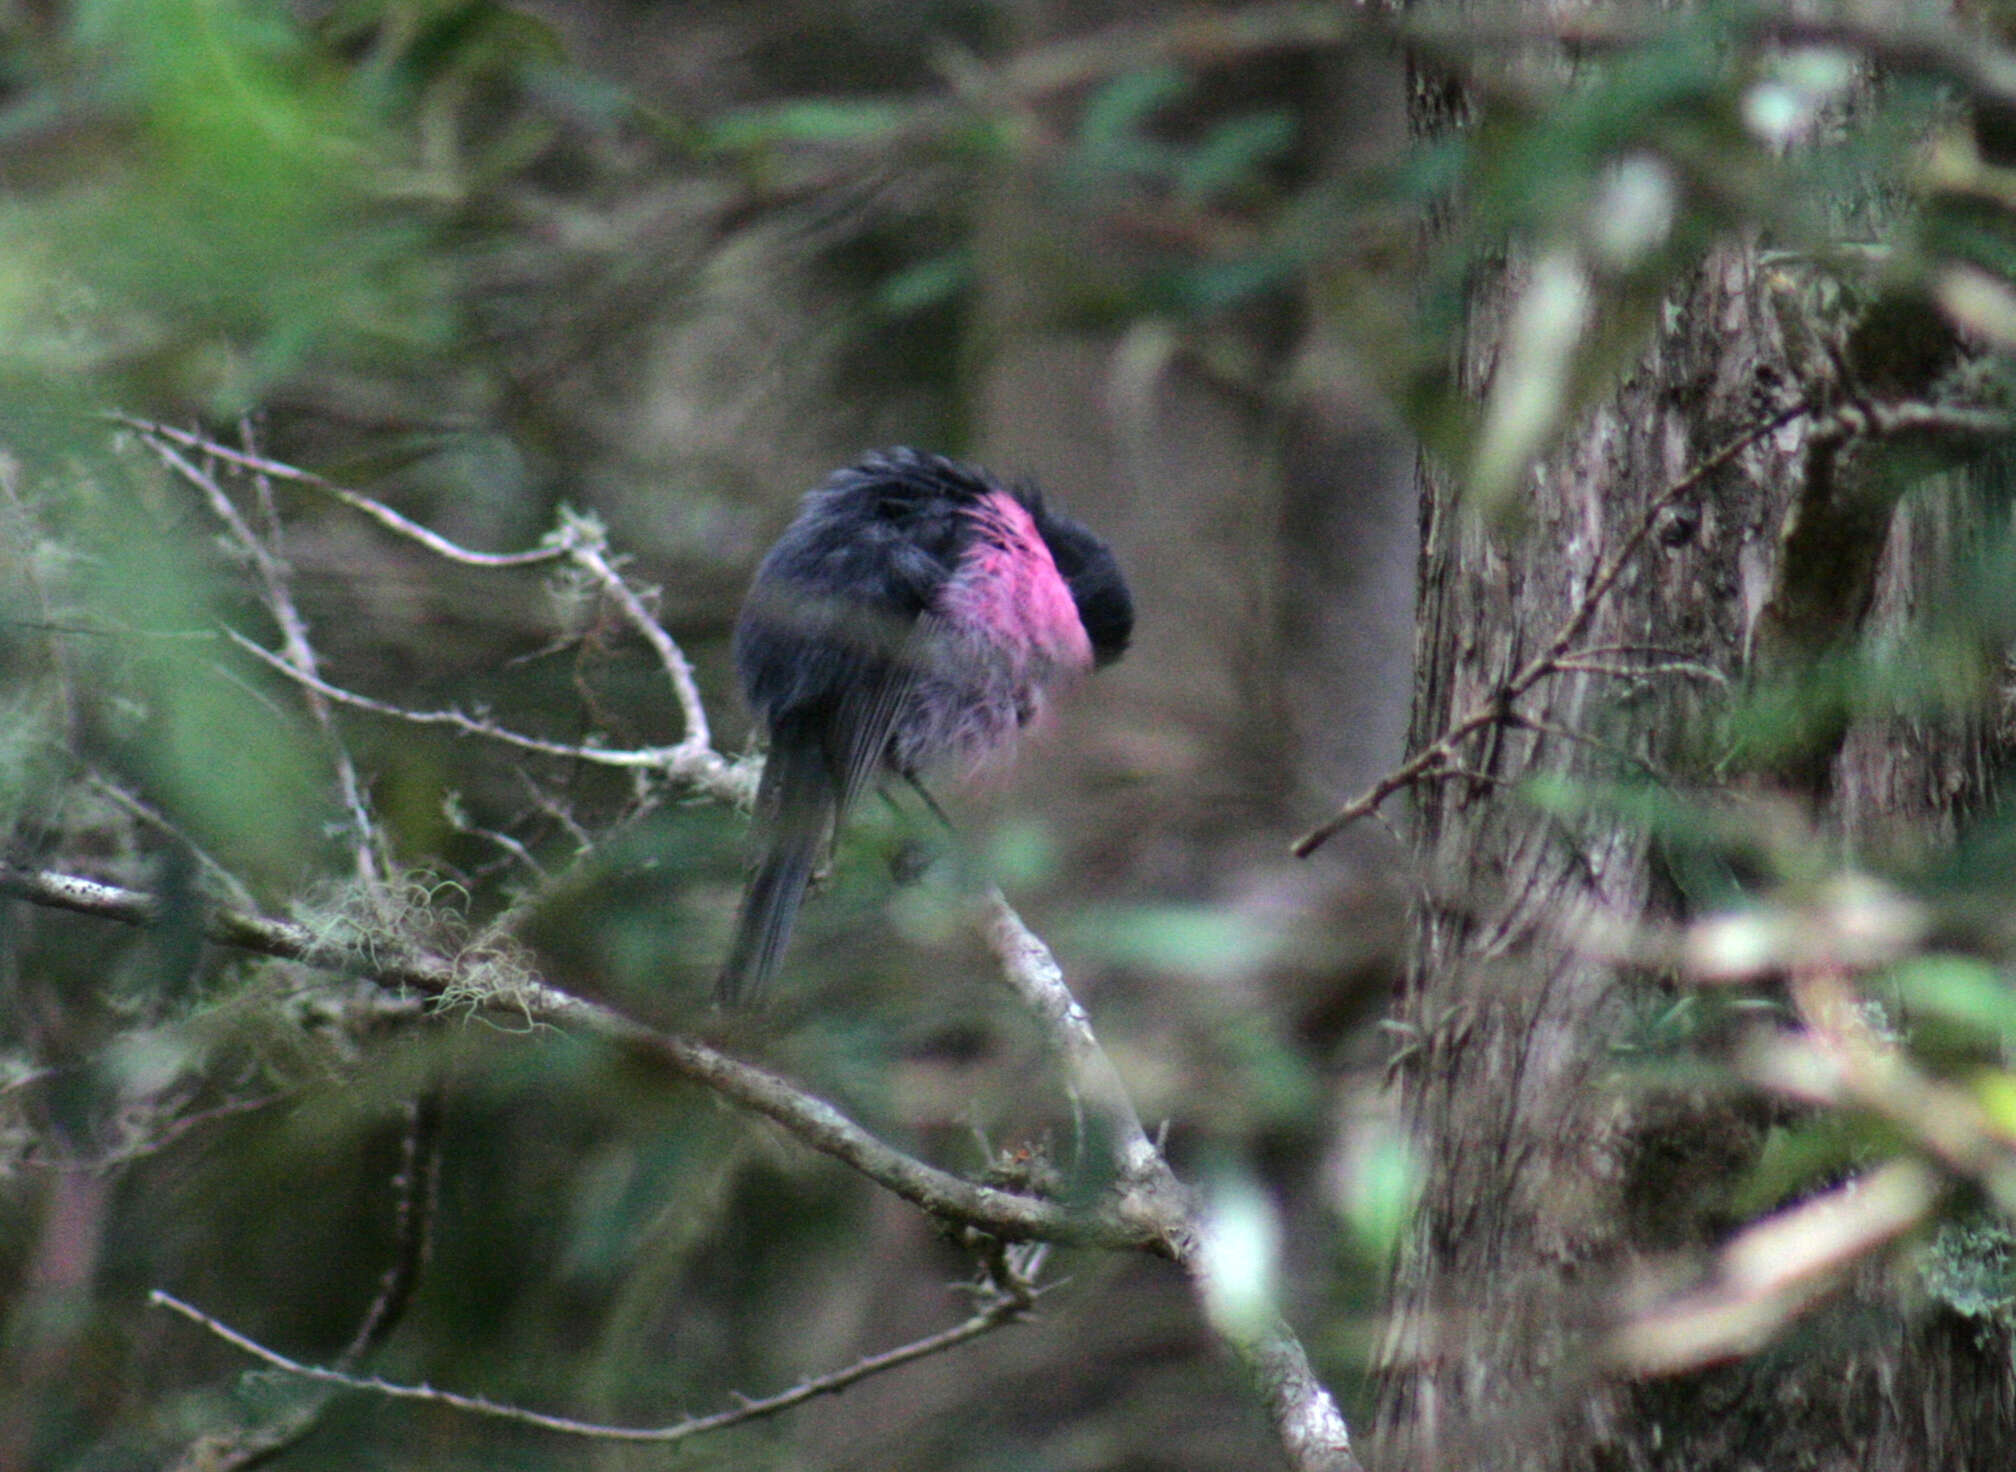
<point x="909" y="622"/>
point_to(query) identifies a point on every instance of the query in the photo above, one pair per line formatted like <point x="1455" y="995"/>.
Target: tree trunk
<point x="1549" y="1177"/>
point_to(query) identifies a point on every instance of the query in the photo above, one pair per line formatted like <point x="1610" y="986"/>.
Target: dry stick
<point x="522" y="998"/>
<point x="1496" y="706"/>
<point x="703" y="769"/>
<point x="587" y="548"/>
<point x="579" y="539"/>
<point x="379" y="512"/>
<point x="1002" y="1310"/>
<point x="1311" y="1430"/>
<point x="297" y="650"/>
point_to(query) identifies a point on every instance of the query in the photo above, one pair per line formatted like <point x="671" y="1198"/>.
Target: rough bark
<point x="1550" y="1176"/>
<point x="1529" y="1145"/>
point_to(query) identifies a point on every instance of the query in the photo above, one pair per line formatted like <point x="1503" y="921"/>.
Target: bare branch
<point x="520" y="996"/>
<point x="378" y="511"/>
<point x="413" y="1205"/>
<point x="459" y="820"/>
<point x="1002" y="1309"/>
<point x="698" y="767"/>
<point x="587" y="548"/>
<point x="1686" y="668"/>
<point x="153" y="1140"/>
<point x="239" y="929"/>
<point x="413" y="1208"/>
<point x="136" y="807"/>
<point x="297" y="649"/>
<point x="579" y="539"/>
<point x="1030" y="969"/>
<point x="818" y="1124"/>
<point x="1311" y="1430"/>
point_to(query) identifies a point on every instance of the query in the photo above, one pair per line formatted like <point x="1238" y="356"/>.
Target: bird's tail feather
<point x="794" y="812"/>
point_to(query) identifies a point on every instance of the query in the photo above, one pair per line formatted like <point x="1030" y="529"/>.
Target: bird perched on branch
<point x="908" y="622"/>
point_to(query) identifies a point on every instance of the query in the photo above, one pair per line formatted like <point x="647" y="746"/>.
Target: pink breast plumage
<point x="1009" y="586"/>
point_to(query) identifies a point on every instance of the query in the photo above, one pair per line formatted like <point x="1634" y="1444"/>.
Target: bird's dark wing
<point x="841" y="614"/>
<point x="869" y="708"/>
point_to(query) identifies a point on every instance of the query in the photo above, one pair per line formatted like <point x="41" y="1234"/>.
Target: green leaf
<point x="1232" y="153"/>
<point x="1188" y="940"/>
<point x="1958" y="989"/>
<point x="818" y="120"/>
<point x="926" y="283"/>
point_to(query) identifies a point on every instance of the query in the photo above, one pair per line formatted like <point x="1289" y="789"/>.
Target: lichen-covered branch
<point x="1310" y="1429"/>
<point x="500" y="988"/>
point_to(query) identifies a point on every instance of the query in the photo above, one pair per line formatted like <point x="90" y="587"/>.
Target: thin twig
<point x="587" y="548"/>
<point x="160" y="1138"/>
<point x="701" y="768"/>
<point x="1001" y="1310"/>
<point x="1687" y="668"/>
<point x="296" y="648"/>
<point x="458" y="819"/>
<point x="136" y="807"/>
<point x="1457" y="773"/>
<point x="579" y="539"/>
<point x="378" y="511"/>
<point x="413" y="1208"/>
<point x="414" y="1197"/>
<point x="1496" y="706"/>
<point x="1520" y="721"/>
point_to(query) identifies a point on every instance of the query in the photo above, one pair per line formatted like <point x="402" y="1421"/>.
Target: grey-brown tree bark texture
<point x="1547" y="1178"/>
